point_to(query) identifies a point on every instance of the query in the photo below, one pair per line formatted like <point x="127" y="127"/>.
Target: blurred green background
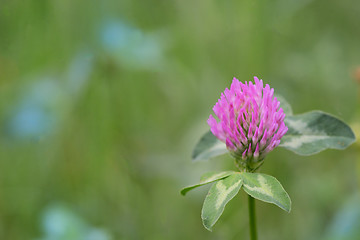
<point x="101" y="103"/>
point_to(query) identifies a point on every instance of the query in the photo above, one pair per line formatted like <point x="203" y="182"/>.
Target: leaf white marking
<point x="264" y="187"/>
<point x="302" y="127"/>
<point x="296" y="142"/>
<point x="297" y="125"/>
<point x="224" y="192"/>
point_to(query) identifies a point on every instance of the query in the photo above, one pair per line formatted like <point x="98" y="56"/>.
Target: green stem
<point x="252" y="218"/>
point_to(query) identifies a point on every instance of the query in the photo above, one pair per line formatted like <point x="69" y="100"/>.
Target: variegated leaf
<point x="208" y="147"/>
<point x="219" y="195"/>
<point x="207" y="178"/>
<point x="266" y="188"/>
<point x="312" y="132"/>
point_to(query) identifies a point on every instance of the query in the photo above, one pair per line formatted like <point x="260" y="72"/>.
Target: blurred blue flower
<point x="33" y="117"/>
<point x="60" y="223"/>
<point x="130" y="46"/>
<point x="46" y="100"/>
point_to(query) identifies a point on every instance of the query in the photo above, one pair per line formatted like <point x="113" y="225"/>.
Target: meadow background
<point x="101" y="103"/>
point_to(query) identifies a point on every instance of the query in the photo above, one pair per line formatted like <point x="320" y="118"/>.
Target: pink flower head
<point x="251" y="123"/>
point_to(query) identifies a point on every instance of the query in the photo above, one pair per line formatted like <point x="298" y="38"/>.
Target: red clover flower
<point x="251" y="122"/>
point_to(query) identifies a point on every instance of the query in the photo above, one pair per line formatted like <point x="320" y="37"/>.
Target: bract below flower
<point x="251" y="122"/>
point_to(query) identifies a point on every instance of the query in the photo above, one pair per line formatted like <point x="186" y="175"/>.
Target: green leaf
<point x="284" y="105"/>
<point x="312" y="132"/>
<point x="208" y="147"/>
<point x="207" y="178"/>
<point x="266" y="188"/>
<point x="219" y="195"/>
